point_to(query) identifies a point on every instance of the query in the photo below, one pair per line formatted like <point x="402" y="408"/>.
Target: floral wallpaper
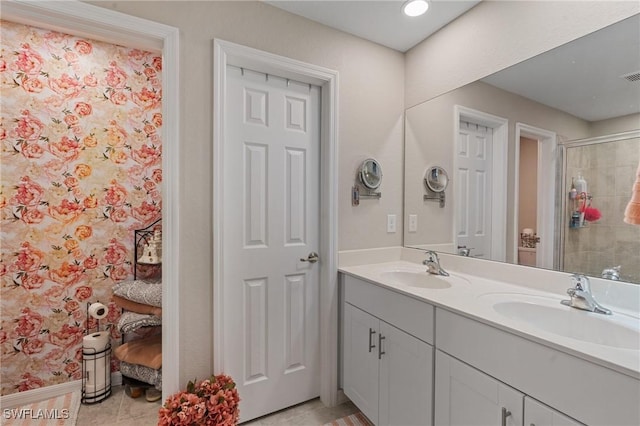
<point x="80" y="170"/>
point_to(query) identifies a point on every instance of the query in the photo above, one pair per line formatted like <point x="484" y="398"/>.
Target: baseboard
<point x="342" y="398"/>
<point x="40" y="394"/>
<point x="35" y="395"/>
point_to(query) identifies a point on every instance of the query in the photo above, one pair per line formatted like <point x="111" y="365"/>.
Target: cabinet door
<point x="538" y="414"/>
<point x="361" y="360"/>
<point x="466" y="396"/>
<point x="406" y="378"/>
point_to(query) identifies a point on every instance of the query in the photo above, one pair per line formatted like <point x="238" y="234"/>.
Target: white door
<point x="538" y="414"/>
<point x="361" y="342"/>
<point x="468" y="397"/>
<point x="406" y="378"/>
<point x="271" y="222"/>
<point x="473" y="188"/>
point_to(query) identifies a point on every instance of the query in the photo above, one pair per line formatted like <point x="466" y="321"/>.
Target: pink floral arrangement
<point x="210" y="402"/>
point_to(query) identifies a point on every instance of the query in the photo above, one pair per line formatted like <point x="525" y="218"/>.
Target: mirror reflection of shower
<point x="598" y="177"/>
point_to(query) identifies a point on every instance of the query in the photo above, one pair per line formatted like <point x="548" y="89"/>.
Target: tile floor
<point x="121" y="410"/>
<point x="310" y="413"/>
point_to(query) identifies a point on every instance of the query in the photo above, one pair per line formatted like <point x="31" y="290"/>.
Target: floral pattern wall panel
<point x="80" y="170"/>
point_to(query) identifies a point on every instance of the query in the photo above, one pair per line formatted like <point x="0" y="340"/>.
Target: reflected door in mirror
<point x="473" y="193"/>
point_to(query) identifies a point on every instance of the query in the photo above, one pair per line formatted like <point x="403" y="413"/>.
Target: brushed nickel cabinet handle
<point x="371" y="344"/>
<point x="380" y="351"/>
<point x="505" y="413"/>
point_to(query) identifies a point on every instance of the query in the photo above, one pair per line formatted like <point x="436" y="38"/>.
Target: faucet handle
<point x="432" y="256"/>
<point x="581" y="282"/>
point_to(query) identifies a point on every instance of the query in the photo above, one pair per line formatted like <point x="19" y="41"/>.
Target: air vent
<point x="632" y="76"/>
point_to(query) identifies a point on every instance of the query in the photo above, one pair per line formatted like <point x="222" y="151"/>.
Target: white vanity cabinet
<point x="388" y="373"/>
<point x="576" y="388"/>
<point x="485" y="371"/>
<point x="467" y="396"/>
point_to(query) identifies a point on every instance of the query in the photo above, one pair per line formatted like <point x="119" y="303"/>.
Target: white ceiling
<point x="379" y="21"/>
<point x="583" y="77"/>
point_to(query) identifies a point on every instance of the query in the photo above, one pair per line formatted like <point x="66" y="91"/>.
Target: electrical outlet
<point x="391" y="223"/>
<point x="413" y="223"/>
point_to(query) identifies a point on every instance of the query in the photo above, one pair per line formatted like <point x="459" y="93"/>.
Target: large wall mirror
<point x="514" y="145"/>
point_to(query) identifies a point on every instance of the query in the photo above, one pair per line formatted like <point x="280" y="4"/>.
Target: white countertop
<point x="474" y="296"/>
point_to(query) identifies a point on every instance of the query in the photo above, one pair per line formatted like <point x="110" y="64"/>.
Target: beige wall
<point x="614" y="125"/>
<point x="371" y="104"/>
<point x="489" y="38"/>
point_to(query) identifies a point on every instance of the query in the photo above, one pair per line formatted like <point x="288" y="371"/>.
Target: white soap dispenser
<point x="581" y="185"/>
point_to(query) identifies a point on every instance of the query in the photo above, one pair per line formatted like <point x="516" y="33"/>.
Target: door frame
<point x="85" y="20"/>
<point x="499" y="166"/>
<point x="546" y="192"/>
<point x="227" y="53"/>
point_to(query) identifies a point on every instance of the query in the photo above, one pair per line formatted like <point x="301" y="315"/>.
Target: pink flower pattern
<point x="81" y="161"/>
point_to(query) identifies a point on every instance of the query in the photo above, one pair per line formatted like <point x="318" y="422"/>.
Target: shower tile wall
<point x="609" y="169"/>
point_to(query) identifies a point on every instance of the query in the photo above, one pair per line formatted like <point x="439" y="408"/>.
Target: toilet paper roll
<point x="96" y="341"/>
<point x="527" y="231"/>
<point x="98" y="310"/>
<point x="96" y="361"/>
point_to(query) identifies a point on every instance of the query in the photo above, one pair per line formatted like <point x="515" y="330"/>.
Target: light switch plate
<point x="413" y="223"/>
<point x="391" y="223"/>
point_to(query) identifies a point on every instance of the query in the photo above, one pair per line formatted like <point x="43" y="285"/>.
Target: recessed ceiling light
<point x="415" y="7"/>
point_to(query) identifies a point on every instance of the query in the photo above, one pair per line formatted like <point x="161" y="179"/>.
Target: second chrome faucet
<point x="433" y="264"/>
<point x="581" y="296"/>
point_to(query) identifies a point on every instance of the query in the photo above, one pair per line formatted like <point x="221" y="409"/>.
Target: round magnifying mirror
<point x="436" y="179"/>
<point x="371" y="173"/>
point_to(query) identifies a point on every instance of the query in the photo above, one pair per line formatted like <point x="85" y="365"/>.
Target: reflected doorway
<point x="534" y="198"/>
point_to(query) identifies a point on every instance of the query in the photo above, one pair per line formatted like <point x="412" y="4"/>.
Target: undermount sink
<point x="422" y="279"/>
<point x="548" y="314"/>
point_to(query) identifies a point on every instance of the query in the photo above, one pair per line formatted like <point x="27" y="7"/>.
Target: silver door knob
<point x="312" y="258"/>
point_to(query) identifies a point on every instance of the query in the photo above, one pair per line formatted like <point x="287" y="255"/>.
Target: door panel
<point x="473" y="188"/>
<point x="361" y="360"/>
<point x="271" y="220"/>
<point x="406" y="379"/>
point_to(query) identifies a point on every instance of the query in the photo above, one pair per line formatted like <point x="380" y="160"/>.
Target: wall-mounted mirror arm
<point x="356" y="195"/>
<point x="436" y="196"/>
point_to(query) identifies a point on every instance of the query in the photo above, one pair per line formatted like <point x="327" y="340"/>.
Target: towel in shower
<point x="632" y="212"/>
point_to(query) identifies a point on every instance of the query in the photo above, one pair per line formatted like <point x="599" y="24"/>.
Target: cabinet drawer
<point x="410" y="315"/>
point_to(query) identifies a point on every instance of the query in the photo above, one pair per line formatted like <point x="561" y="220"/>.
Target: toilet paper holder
<point x="96" y="357"/>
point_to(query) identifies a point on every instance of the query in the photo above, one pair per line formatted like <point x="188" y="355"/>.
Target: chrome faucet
<point x="581" y="296"/>
<point x="464" y="251"/>
<point x="611" y="273"/>
<point x="433" y="264"/>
